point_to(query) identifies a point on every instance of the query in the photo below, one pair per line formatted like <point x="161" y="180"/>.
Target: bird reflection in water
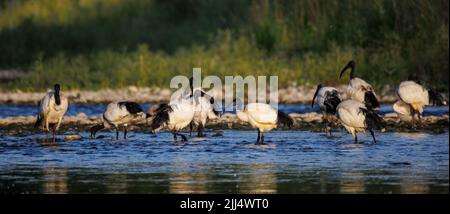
<point x="352" y="183"/>
<point x="258" y="179"/>
<point x="414" y="186"/>
<point x="187" y="183"/>
<point x="55" y="180"/>
<point x="413" y="135"/>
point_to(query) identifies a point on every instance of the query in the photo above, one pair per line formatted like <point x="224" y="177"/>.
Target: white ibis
<point x="174" y="116"/>
<point x="263" y="117"/>
<point x="204" y="110"/>
<point x="357" y="88"/>
<point x="119" y="114"/>
<point x="356" y="117"/>
<point x="328" y="99"/>
<point x="413" y="98"/>
<point x="52" y="108"/>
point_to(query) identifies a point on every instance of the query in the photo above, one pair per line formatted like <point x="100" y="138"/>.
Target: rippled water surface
<point x="10" y="110"/>
<point x="227" y="162"/>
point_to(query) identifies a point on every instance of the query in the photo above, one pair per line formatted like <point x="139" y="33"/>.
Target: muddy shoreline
<point x="20" y="126"/>
<point x="288" y="95"/>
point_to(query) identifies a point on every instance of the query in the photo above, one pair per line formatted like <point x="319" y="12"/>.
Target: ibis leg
<point x="373" y="136"/>
<point x="125" y="132"/>
<point x="259" y="137"/>
<point x="175" y="133"/>
<point x="54" y="134"/>
<point x="355" y="137"/>
<point x="200" y="130"/>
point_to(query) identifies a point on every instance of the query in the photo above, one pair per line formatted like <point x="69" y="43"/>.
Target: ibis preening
<point x="357" y="116"/>
<point x="263" y="117"/>
<point x="119" y="114"/>
<point x="358" y="89"/>
<point x="52" y="108"/>
<point x="327" y="98"/>
<point x="203" y="110"/>
<point x="413" y="97"/>
<point x="174" y="116"/>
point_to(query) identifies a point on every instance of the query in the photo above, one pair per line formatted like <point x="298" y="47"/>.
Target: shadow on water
<point x="292" y="162"/>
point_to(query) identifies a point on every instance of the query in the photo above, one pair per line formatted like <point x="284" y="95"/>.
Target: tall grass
<point x="98" y="43"/>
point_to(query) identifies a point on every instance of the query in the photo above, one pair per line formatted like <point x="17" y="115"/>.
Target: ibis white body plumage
<point x="174" y="116"/>
<point x="327" y="98"/>
<point x="263" y="117"/>
<point x="356" y="117"/>
<point x="119" y="114"/>
<point x="413" y="98"/>
<point x="52" y="108"/>
<point x="358" y="89"/>
<point x="204" y="110"/>
<point x="182" y="114"/>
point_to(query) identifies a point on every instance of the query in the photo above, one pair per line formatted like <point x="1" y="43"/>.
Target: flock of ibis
<point x="357" y="113"/>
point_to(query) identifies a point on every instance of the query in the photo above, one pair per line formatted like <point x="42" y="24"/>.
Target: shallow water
<point x="12" y="110"/>
<point x="292" y="162"/>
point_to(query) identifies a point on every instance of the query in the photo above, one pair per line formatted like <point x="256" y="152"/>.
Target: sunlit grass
<point x="102" y="43"/>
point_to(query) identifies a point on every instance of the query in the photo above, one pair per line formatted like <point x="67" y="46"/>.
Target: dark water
<point x="292" y="162"/>
<point x="9" y="110"/>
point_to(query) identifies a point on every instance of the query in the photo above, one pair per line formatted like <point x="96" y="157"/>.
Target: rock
<point x="217" y="134"/>
<point x="295" y="115"/>
<point x="82" y="115"/>
<point x="291" y="94"/>
<point x="72" y="137"/>
<point x="132" y="89"/>
<point x="391" y="115"/>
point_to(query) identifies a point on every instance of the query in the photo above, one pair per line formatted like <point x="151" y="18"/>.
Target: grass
<point x="91" y="44"/>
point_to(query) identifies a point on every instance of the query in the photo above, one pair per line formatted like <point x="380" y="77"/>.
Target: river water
<point x="227" y="161"/>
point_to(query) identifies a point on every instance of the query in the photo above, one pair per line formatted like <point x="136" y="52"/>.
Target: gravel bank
<point x="299" y="94"/>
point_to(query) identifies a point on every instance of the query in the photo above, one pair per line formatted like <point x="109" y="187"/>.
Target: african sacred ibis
<point x="52" y="108"/>
<point x="263" y="117"/>
<point x="413" y="97"/>
<point x="174" y="116"/>
<point x="328" y="99"/>
<point x="358" y="89"/>
<point x="357" y="116"/>
<point x="204" y="109"/>
<point x="118" y="114"/>
<point x="204" y="106"/>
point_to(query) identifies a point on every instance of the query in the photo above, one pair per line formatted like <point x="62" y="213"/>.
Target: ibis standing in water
<point x="358" y="116"/>
<point x="203" y="110"/>
<point x="204" y="107"/>
<point x="328" y="99"/>
<point x="174" y="116"/>
<point x="119" y="114"/>
<point x="263" y="117"/>
<point x="358" y="89"/>
<point x="413" y="97"/>
<point x="52" y="108"/>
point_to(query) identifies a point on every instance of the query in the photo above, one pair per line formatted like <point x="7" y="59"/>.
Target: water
<point x="292" y="162"/>
<point x="11" y="110"/>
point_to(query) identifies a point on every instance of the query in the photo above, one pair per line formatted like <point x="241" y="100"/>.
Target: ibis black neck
<point x="57" y="95"/>
<point x="315" y="94"/>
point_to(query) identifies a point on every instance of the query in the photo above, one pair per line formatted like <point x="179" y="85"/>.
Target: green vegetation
<point x="114" y="43"/>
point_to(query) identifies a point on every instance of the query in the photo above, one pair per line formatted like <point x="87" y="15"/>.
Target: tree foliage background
<point x="114" y="43"/>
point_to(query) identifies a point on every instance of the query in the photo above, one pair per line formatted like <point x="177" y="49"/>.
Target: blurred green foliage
<point x="114" y="43"/>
